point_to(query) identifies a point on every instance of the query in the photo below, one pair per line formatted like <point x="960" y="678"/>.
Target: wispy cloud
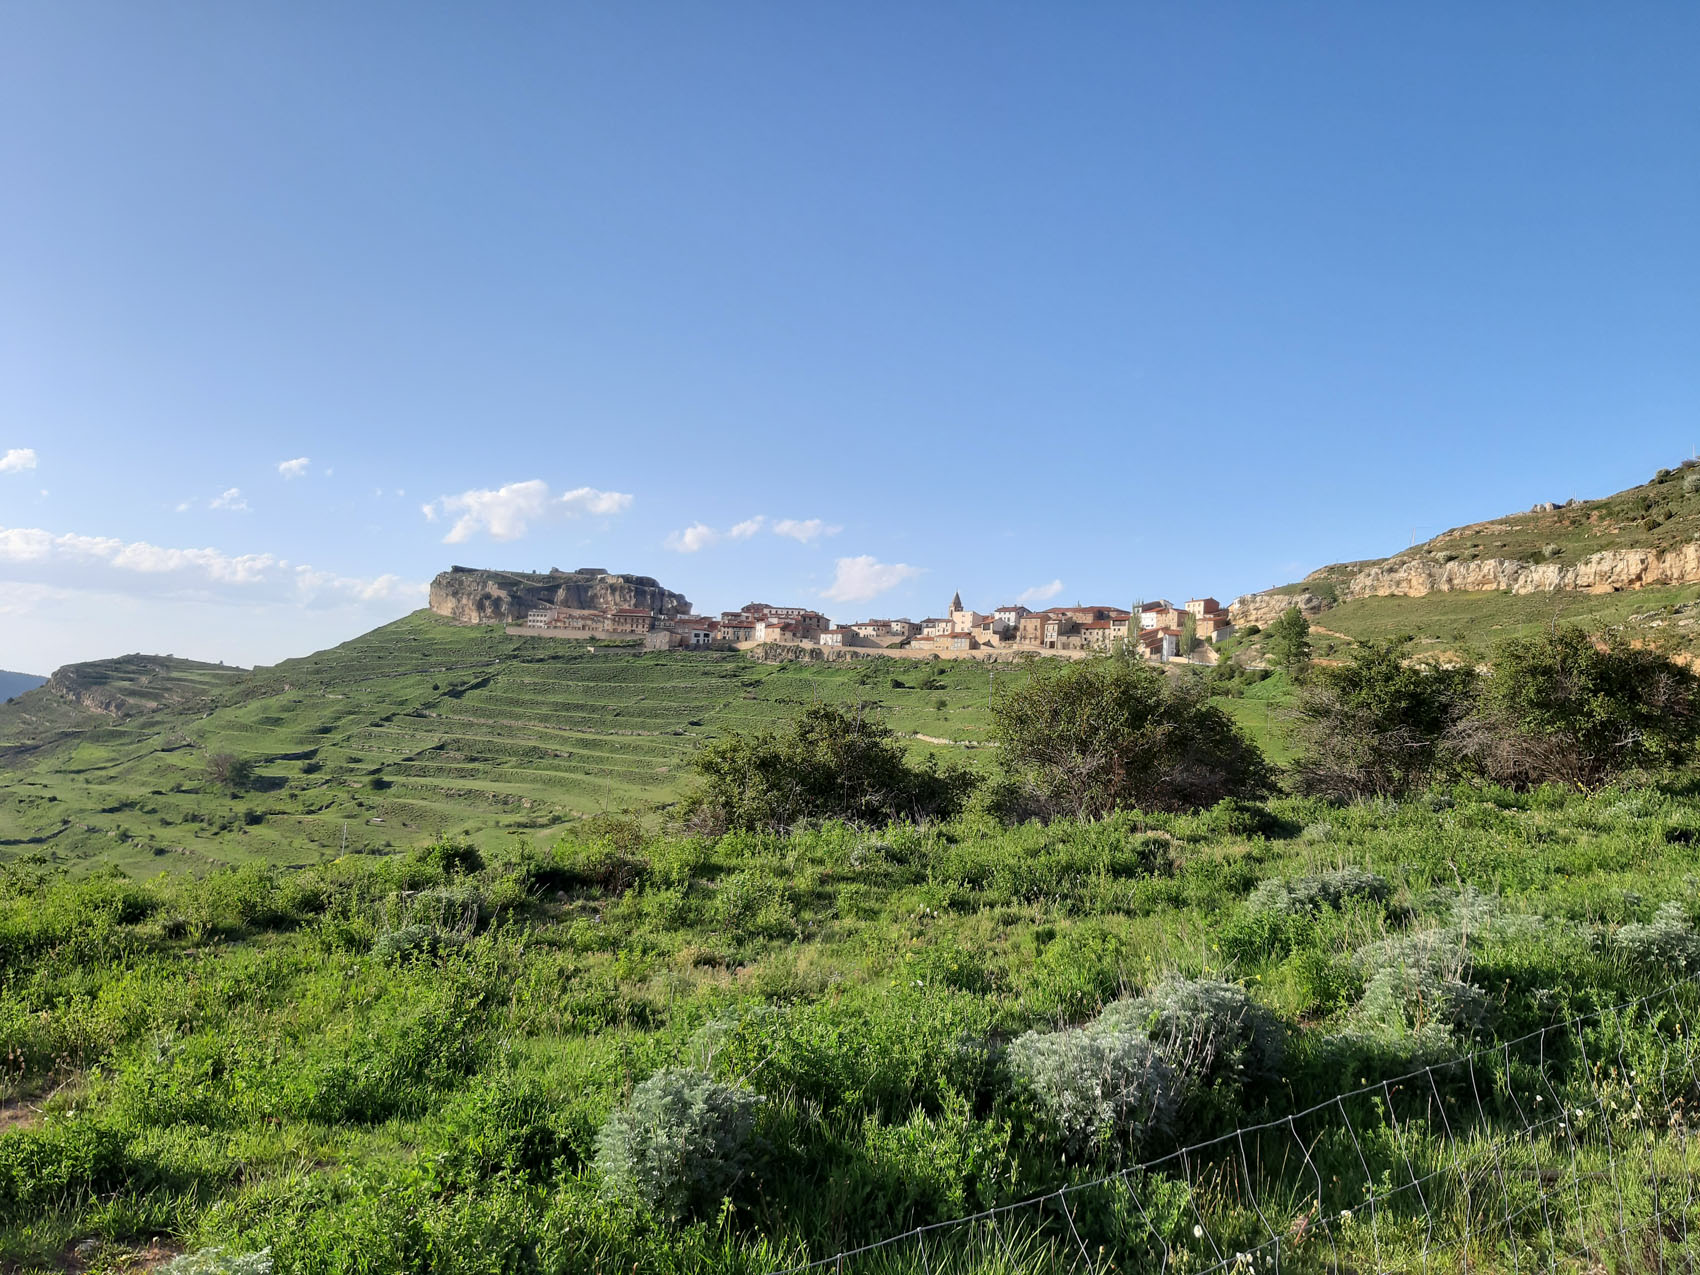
<point x="1040" y="592"/>
<point x="17" y="460"/>
<point x="68" y="559"/>
<point x="699" y="535"/>
<point x="863" y="578"/>
<point x="293" y="468"/>
<point x="230" y="498"/>
<point x="804" y="530"/>
<point x="507" y="513"/>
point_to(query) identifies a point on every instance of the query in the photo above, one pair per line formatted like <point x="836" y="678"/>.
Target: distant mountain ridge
<point x="12" y="684"/>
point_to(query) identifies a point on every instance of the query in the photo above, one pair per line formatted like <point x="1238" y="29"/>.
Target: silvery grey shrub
<point x="680" y="1143"/>
<point x="1096" y="1086"/>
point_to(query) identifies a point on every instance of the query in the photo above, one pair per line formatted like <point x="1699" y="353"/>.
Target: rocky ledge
<point x="476" y="596"/>
<point x="1415" y="576"/>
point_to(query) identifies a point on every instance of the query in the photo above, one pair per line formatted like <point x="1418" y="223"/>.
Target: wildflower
<point x="1345" y="1217"/>
<point x="1197" y="1232"/>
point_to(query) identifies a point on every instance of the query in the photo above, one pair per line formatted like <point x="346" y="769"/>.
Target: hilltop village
<point x="1160" y="631"/>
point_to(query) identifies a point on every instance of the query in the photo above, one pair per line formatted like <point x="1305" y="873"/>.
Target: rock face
<point x="1263" y="609"/>
<point x="1414" y="576"/>
<point x="1609" y="571"/>
<point x="505" y="597"/>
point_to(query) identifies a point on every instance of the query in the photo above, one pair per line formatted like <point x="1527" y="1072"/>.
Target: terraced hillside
<point x="420" y="727"/>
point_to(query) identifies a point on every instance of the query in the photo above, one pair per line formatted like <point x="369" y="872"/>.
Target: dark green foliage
<point x="680" y="1143"/>
<point x="1376" y="725"/>
<point x="451" y="857"/>
<point x="228" y="771"/>
<point x="1111" y="732"/>
<point x="1287" y="642"/>
<point x="1564" y="707"/>
<point x="831" y="763"/>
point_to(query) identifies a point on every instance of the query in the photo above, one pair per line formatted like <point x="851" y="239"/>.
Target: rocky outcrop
<point x="1609" y="571"/>
<point x="1419" y="574"/>
<point x="506" y="597"/>
<point x="1264" y="608"/>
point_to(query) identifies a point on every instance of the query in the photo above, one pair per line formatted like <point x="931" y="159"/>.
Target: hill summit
<point x="1645" y="537"/>
<point x="475" y="596"/>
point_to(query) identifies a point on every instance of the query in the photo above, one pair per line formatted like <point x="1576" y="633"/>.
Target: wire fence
<point x="1568" y="1148"/>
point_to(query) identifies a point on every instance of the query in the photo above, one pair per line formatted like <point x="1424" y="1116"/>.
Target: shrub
<point x="680" y="1143"/>
<point x="228" y="771"/>
<point x="1416" y="982"/>
<point x="1667" y="942"/>
<point x="216" y="1261"/>
<point x="1561" y="707"/>
<point x="1208" y="1029"/>
<point x="1305" y="895"/>
<point x="829" y="764"/>
<point x="1109" y="732"/>
<point x="1098" y="1088"/>
<point x="451" y="857"/>
<point x="1376" y="725"/>
<point x="1691" y="483"/>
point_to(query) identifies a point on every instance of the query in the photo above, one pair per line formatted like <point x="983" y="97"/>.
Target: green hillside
<point x="419" y="727"/>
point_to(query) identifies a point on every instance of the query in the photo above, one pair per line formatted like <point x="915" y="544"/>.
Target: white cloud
<point x="184" y="506"/>
<point x="700" y="535"/>
<point x="804" y="530"/>
<point x="230" y="498"/>
<point x="1040" y="592"/>
<point x="587" y="500"/>
<point x="697" y="536"/>
<point x="139" y="567"/>
<point x="862" y="578"/>
<point x="293" y="468"/>
<point x="506" y="513"/>
<point x="17" y="460"/>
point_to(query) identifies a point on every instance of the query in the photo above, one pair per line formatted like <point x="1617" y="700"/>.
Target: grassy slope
<point x="466" y="729"/>
<point x="273" y="1078"/>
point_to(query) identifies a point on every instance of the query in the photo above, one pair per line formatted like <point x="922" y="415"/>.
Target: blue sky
<point x="1098" y="301"/>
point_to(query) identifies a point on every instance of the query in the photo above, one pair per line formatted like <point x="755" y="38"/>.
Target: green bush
<point x="451" y="857"/>
<point x="1096" y="735"/>
<point x="1100" y="1090"/>
<point x="680" y="1143"/>
<point x="829" y="764"/>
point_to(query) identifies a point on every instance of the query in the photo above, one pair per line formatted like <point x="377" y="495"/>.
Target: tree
<point x="1377" y="725"/>
<point x="1288" y="642"/>
<point x="230" y="772"/>
<point x="1567" y="707"/>
<point x="1098" y="734"/>
<point x="830" y="763"/>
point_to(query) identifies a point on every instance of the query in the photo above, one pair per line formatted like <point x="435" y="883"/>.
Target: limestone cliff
<point x="1415" y="575"/>
<point x="505" y="597"/>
